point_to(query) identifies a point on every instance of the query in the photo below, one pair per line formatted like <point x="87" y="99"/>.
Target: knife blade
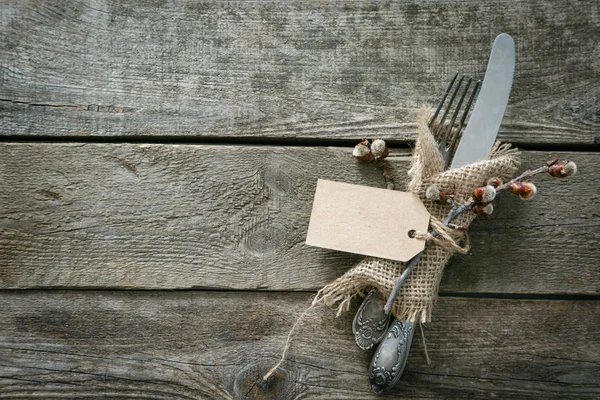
<point x="480" y="134"/>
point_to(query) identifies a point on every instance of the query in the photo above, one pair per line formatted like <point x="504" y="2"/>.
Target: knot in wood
<point x="249" y="383"/>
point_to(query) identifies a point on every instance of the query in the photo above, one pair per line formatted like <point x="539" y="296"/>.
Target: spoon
<point x="371" y="321"/>
<point x="390" y="358"/>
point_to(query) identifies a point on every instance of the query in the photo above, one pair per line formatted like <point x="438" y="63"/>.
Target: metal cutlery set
<point x="373" y="323"/>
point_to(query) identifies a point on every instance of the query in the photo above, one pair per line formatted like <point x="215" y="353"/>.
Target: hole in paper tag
<point x="370" y="221"/>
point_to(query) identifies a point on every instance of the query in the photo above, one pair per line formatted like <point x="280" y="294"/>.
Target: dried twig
<point x="556" y="168"/>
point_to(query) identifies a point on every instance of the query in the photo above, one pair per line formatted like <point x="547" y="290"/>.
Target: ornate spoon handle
<point x="390" y="358"/>
<point x="370" y="322"/>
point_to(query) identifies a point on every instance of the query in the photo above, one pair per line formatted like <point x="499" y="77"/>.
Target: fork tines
<point x="448" y="134"/>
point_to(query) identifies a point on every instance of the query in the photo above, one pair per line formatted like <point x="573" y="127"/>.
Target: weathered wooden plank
<point x="288" y="69"/>
<point x="235" y="217"/>
<point x="194" y="345"/>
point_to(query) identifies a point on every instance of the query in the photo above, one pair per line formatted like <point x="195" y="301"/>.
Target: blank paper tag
<point x="365" y="220"/>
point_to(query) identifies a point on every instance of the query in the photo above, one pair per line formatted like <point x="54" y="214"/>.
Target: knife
<point x="480" y="134"/>
<point x="476" y="143"/>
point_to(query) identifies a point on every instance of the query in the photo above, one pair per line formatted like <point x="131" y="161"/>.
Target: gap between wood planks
<point x="267" y="141"/>
<point x="458" y="295"/>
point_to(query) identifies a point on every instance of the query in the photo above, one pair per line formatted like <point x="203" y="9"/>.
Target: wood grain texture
<point x="201" y="345"/>
<point x="288" y="70"/>
<point x="235" y="217"/>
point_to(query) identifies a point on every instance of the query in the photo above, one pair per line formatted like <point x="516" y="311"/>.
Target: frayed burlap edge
<point x="419" y="293"/>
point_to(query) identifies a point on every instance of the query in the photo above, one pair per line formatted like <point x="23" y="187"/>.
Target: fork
<point x="448" y="135"/>
<point x="371" y="321"/>
<point x="391" y="355"/>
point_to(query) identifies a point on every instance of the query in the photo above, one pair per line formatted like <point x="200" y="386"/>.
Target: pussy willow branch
<point x="454" y="212"/>
<point x="526" y="174"/>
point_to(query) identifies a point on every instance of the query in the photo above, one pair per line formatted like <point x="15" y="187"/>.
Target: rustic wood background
<point x="157" y="166"/>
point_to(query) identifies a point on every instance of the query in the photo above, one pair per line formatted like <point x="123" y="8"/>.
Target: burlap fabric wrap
<point x="419" y="293"/>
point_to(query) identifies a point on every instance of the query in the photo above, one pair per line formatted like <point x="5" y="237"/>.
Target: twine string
<point x="316" y="301"/>
<point x="444" y="236"/>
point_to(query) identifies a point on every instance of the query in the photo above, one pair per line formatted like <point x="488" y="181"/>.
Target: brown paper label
<point x="365" y="220"/>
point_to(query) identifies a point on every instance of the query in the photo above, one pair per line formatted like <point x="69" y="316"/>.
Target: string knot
<point x="447" y="238"/>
